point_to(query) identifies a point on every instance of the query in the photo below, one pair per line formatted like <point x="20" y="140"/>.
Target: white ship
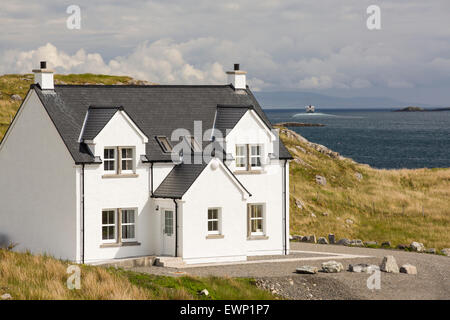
<point x="310" y="109"/>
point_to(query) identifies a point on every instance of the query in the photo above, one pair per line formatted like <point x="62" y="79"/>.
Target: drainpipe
<point x="284" y="208"/>
<point x="176" y="227"/>
<point x="151" y="178"/>
<point x="82" y="213"/>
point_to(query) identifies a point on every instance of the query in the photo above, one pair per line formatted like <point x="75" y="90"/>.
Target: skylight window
<point x="193" y="144"/>
<point x="164" y="143"/>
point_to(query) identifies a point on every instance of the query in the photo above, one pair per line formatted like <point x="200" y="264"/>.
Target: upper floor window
<point x="164" y="143"/>
<point x="248" y="156"/>
<point x="119" y="160"/>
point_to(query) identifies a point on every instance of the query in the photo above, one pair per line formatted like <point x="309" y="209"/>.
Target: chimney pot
<point x="43" y="64"/>
<point x="236" y="66"/>
<point x="44" y="77"/>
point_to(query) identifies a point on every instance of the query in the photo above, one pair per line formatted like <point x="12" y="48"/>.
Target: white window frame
<point x="114" y="159"/>
<point x="122" y="224"/>
<point x="218" y="220"/>
<point x="109" y="225"/>
<point x="253" y="156"/>
<point x="262" y="218"/>
<point x="244" y="156"/>
<point x="133" y="152"/>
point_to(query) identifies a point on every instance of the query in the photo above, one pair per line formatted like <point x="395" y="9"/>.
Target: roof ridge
<point x="143" y="86"/>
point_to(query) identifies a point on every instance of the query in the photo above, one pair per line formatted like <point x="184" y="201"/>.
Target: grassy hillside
<point x="400" y="206"/>
<point x="25" y="276"/>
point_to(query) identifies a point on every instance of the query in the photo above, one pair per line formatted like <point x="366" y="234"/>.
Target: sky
<point x="321" y="46"/>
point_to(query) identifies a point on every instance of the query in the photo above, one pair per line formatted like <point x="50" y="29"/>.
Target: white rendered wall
<point x="111" y="193"/>
<point x="37" y="185"/>
<point x="213" y="188"/>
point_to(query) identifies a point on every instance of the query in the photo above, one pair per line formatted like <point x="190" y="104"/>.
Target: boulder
<point x="304" y="239"/>
<point x="408" y="269"/>
<point x="389" y="265"/>
<point x="5" y="296"/>
<point x="204" y="292"/>
<point x="356" y="243"/>
<point x="312" y="238"/>
<point x="431" y="250"/>
<point x="402" y="246"/>
<point x="297" y="237"/>
<point x="322" y="240"/>
<point x="417" y="246"/>
<point x="332" y="267"/>
<point x="313" y="215"/>
<point x="325" y="214"/>
<point x="307" y="270"/>
<point x="363" y="268"/>
<point x="321" y="180"/>
<point x="348" y="221"/>
<point x="344" y="242"/>
<point x="331" y="238"/>
<point x="291" y="237"/>
<point x="358" y="176"/>
<point x="446" y="251"/>
<point x="16" y="97"/>
<point x="370" y="243"/>
<point x="386" y="244"/>
<point x="299" y="204"/>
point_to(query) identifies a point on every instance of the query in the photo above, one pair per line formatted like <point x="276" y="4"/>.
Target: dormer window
<point x="248" y="157"/>
<point x="119" y="161"/>
<point x="165" y="144"/>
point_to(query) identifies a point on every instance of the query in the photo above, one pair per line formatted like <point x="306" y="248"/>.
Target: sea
<point x="380" y="138"/>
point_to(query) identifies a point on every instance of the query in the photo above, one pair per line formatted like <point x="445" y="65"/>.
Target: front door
<point x="168" y="233"/>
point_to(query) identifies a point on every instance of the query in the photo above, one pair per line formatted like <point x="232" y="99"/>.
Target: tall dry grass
<point x="400" y="206"/>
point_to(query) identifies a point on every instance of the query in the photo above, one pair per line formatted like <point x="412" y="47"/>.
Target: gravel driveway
<point x="431" y="282"/>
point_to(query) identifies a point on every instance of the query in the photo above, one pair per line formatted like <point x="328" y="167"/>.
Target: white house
<point x="92" y="172"/>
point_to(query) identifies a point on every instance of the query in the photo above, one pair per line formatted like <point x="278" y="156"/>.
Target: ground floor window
<point x="214" y="221"/>
<point x="256" y="219"/>
<point x="118" y="225"/>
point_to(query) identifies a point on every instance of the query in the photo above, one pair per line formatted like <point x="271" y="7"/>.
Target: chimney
<point x="44" y="77"/>
<point x="237" y="77"/>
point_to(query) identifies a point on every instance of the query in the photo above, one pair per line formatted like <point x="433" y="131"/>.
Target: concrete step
<point x="146" y="261"/>
<point x="169" y="262"/>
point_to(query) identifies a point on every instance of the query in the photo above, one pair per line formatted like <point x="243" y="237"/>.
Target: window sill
<point x="257" y="238"/>
<point x="215" y="236"/>
<point x="125" y="175"/>
<point x="236" y="172"/>
<point x="122" y="244"/>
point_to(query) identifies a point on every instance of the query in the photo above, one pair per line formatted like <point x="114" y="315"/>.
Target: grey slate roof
<point x="228" y="116"/>
<point x="156" y="110"/>
<point x="96" y="119"/>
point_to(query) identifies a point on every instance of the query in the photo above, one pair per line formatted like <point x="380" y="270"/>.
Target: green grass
<point x="36" y="277"/>
<point x="400" y="206"/>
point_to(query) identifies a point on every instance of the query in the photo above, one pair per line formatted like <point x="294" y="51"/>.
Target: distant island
<point x="299" y="124"/>
<point x="419" y="109"/>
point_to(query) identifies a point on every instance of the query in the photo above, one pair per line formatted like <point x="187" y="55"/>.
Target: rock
<point x="389" y="265"/>
<point x="331" y="238"/>
<point x="416" y="246"/>
<point x="446" y="251"/>
<point x="348" y="221"/>
<point x="325" y="214"/>
<point x="5" y="296"/>
<point x="402" y="246"/>
<point x="299" y="204"/>
<point x="16" y="97"/>
<point x="363" y="268"/>
<point x="204" y="292"/>
<point x="431" y="250"/>
<point x="408" y="269"/>
<point x="322" y="240"/>
<point x="356" y="243"/>
<point x="291" y="237"/>
<point x="301" y="149"/>
<point x="344" y="242"/>
<point x="304" y="239"/>
<point x="297" y="237"/>
<point x="332" y="267"/>
<point x="312" y="238"/>
<point x="307" y="270"/>
<point x="358" y="176"/>
<point x="321" y="180"/>
<point x="386" y="244"/>
<point x="313" y="215"/>
<point x="370" y="243"/>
